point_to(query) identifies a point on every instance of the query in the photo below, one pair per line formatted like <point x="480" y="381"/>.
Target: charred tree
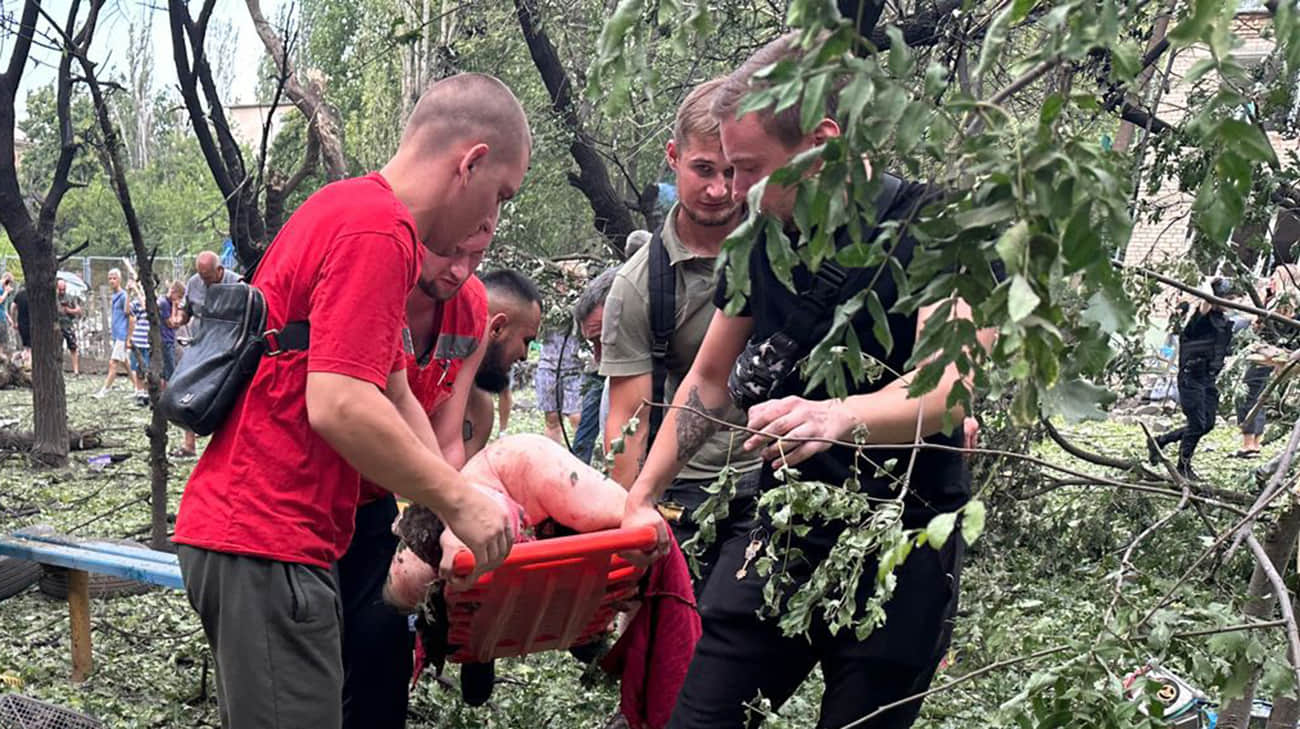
<point x="251" y="226"/>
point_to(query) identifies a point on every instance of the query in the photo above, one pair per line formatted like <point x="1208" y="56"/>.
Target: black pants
<point x="1256" y="379"/>
<point x="377" y="640"/>
<point x="1199" y="397"/>
<point x="684" y="496"/>
<point x="741" y="656"/>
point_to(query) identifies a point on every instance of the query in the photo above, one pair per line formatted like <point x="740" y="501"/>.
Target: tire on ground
<point x="54" y="581"/>
<point x="16" y="575"/>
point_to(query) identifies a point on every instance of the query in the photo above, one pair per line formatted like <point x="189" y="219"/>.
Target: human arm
<point x="889" y="415"/>
<point x="683" y="432"/>
<point x="626" y="395"/>
<point x="448" y="420"/>
<point x="372" y="433"/>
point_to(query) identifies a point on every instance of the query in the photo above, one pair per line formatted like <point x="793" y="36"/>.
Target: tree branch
<point x="1283" y="602"/>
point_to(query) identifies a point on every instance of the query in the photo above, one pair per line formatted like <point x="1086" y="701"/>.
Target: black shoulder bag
<point x="663" y="321"/>
<point x="224" y="356"/>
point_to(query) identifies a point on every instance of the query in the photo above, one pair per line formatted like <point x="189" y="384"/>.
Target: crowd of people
<point x="283" y="529"/>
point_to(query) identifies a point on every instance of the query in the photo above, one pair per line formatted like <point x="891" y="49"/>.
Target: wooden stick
<point x="79" y="612"/>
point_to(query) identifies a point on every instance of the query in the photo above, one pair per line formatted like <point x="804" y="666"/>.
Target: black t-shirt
<point x="940" y="480"/>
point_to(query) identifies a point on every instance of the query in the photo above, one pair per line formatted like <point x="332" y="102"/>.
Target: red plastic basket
<point x="548" y="594"/>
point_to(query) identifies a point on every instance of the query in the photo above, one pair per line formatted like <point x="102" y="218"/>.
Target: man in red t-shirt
<point x="271" y="505"/>
<point x="446" y="313"/>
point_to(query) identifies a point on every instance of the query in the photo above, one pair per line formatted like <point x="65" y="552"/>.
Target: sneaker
<point x="100" y="394"/>
<point x="142" y="399"/>
<point x="1185" y="470"/>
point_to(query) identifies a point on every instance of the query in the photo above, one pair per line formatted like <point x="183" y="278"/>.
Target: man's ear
<point x="497" y="324"/>
<point x="825" y="129"/>
<point x="473" y="156"/>
<point x="671" y="154"/>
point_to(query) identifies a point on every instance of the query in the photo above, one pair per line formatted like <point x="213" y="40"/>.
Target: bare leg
<point x="553" y="427"/>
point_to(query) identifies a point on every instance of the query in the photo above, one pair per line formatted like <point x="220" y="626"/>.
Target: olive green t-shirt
<point x="625" y="339"/>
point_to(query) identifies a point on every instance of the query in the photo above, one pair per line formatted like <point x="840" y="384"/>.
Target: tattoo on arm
<point x="693" y="429"/>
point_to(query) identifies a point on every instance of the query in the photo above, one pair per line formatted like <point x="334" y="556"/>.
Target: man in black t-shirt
<point x="740" y="654"/>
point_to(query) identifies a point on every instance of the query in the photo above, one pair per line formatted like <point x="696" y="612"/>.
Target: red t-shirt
<point x="268" y="485"/>
<point x="459" y="331"/>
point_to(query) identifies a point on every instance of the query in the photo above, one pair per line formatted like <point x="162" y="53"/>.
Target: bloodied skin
<point x="536" y="477"/>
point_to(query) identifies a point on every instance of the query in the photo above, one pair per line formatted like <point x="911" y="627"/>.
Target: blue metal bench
<point x="81" y="557"/>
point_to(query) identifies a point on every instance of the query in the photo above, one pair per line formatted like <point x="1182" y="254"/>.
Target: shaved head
<point x="469" y="107"/>
<point x="208" y="265"/>
<point x="464" y="152"/>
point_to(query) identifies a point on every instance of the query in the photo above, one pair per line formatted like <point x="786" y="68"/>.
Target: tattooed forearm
<point x="693" y="429"/>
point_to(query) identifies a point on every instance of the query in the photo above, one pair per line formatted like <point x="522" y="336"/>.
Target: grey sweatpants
<point x="274" y="629"/>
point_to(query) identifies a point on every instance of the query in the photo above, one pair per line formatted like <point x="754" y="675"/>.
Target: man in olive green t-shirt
<point x="692" y="236"/>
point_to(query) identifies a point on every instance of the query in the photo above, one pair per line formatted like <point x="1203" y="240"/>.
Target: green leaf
<point x="1113" y="314"/>
<point x="1051" y="109"/>
<point x="900" y="57"/>
<point x="781" y="254"/>
<point x="972" y="521"/>
<point x="1126" y="60"/>
<point x="1077" y="400"/>
<point x="1248" y="140"/>
<point x="879" y="321"/>
<point x="994" y="39"/>
<point x="939" y="529"/>
<point x="1021" y="299"/>
<point x="813" y="108"/>
<point x="1195" y="26"/>
<point x="1020" y="9"/>
<point x="985" y="215"/>
<point x="1011" y="246"/>
<point x="911" y="126"/>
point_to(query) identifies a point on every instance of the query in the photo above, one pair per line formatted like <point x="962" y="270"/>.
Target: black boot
<point x="476" y="680"/>
<point x="1185" y="470"/>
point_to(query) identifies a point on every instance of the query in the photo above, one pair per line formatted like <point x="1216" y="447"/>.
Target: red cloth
<point x="267" y="485"/>
<point x="459" y="330"/>
<point x="655" y="651"/>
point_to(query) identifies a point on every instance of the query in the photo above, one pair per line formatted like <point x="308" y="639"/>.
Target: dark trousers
<point x="1256" y="379"/>
<point x="1199" y="398"/>
<point x="377" y="640"/>
<point x="274" y="632"/>
<point x="684" y="496"/>
<point x="741" y="655"/>
<point x="584" y="441"/>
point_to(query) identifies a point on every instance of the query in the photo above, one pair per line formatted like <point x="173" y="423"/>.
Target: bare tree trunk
<point x="34" y="239"/>
<point x="613" y="216"/>
<point x="308" y="94"/>
<point x="1279" y="544"/>
<point x="157" y="430"/>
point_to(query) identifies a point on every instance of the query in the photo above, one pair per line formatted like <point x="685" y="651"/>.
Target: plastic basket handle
<point x="608" y="541"/>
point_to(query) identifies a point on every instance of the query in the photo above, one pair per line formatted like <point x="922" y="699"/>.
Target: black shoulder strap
<point x="808" y="323"/>
<point x="663" y="321"/>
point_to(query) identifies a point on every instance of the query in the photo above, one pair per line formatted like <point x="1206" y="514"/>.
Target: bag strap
<point x="808" y="323"/>
<point x="663" y="321"/>
<point x="293" y="336"/>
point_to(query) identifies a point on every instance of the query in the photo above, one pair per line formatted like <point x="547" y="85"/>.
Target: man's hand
<point x="639" y="514"/>
<point x="795" y="417"/>
<point x="481" y="519"/>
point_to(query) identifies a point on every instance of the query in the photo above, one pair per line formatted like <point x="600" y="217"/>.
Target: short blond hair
<point x="695" y="119"/>
<point x="785" y="124"/>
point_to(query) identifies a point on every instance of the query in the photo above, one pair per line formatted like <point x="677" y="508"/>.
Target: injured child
<point x="553" y="494"/>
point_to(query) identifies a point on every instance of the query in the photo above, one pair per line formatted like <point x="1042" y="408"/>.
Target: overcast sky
<point x="111" y="46"/>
